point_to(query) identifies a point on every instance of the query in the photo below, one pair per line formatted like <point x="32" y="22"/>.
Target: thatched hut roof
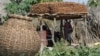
<point x="67" y="9"/>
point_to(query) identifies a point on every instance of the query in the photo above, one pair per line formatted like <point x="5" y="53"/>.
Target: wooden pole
<point x="41" y="30"/>
<point x="20" y="17"/>
<point x="61" y="29"/>
<point x="84" y="39"/>
<point x="53" y="30"/>
<point x="86" y="31"/>
<point x="63" y="33"/>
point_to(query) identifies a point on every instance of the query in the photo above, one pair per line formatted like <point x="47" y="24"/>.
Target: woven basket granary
<point x="55" y="7"/>
<point x="18" y="37"/>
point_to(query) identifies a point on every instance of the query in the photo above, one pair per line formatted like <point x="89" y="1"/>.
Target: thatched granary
<point x="18" y="37"/>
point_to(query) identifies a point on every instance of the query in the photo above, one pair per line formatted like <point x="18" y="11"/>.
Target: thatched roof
<point x="59" y="8"/>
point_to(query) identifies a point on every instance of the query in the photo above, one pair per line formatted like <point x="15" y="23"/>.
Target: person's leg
<point x="68" y="38"/>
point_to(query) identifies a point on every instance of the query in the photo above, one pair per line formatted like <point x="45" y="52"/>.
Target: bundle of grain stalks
<point x="18" y="37"/>
<point x="58" y="7"/>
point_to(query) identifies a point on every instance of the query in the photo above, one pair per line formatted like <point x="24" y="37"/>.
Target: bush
<point x="22" y="7"/>
<point x="60" y="49"/>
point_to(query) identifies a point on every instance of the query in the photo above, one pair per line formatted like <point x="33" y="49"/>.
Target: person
<point x="48" y="36"/>
<point x="43" y="34"/>
<point x="67" y="31"/>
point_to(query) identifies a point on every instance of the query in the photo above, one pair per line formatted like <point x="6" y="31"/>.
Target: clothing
<point x="68" y="27"/>
<point x="68" y="38"/>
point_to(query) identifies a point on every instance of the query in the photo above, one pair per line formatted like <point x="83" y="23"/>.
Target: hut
<point x="18" y="37"/>
<point x="59" y="11"/>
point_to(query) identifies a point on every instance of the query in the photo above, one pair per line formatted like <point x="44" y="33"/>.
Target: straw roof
<point x="59" y="8"/>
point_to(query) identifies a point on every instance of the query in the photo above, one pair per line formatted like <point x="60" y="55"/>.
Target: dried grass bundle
<point x="40" y="8"/>
<point x="58" y="7"/>
<point x="18" y="36"/>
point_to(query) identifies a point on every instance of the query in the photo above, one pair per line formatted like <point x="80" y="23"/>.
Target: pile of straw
<point x="18" y="36"/>
<point x="58" y="7"/>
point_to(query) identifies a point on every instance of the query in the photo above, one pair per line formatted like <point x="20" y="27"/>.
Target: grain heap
<point x="58" y="7"/>
<point x="18" y="36"/>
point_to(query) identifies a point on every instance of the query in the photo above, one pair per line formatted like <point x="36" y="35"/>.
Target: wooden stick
<point x="20" y="17"/>
<point x="53" y="30"/>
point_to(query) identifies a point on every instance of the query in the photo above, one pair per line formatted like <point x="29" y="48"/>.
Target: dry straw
<point x="58" y="7"/>
<point x="18" y="37"/>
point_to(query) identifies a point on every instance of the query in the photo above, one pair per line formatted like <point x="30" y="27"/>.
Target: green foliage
<point x="94" y="3"/>
<point x="51" y="0"/>
<point x="16" y="1"/>
<point x="5" y="18"/>
<point x="60" y="49"/>
<point x="22" y="7"/>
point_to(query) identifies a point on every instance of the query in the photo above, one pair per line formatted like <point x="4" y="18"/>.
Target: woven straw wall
<point x="18" y="37"/>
